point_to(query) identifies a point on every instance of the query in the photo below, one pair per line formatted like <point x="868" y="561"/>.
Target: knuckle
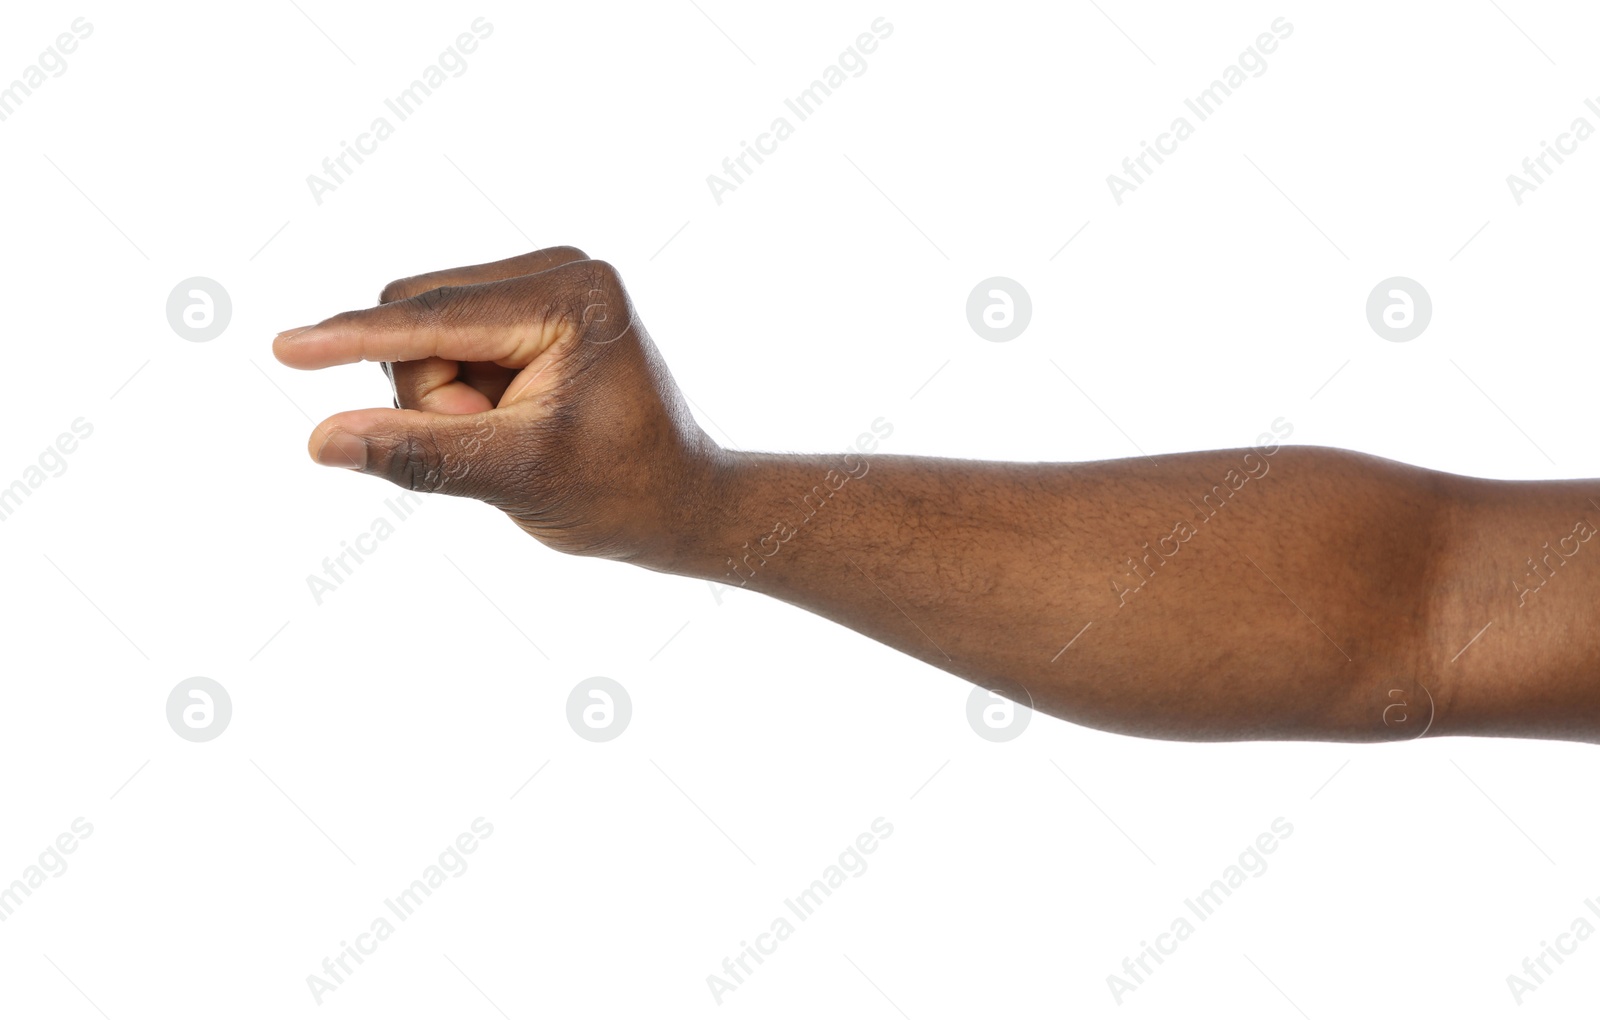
<point x="397" y="290"/>
<point x="351" y="319"/>
<point x="604" y="276"/>
<point x="604" y="311"/>
<point x="411" y="464"/>
<point x="434" y="307"/>
<point x="563" y="253"/>
<point x="433" y="299"/>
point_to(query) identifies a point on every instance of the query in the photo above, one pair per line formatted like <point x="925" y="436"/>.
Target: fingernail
<point x="342" y="450"/>
<point x="286" y="334"/>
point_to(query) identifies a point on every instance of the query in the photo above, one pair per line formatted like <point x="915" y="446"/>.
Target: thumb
<point x="418" y="450"/>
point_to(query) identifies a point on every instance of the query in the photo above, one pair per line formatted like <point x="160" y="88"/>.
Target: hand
<point x="529" y="384"/>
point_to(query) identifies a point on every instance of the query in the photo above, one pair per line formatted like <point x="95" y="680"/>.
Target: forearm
<point x="1303" y="593"/>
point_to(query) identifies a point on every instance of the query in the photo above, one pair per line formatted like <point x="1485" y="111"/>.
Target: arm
<point x="1246" y="594"/>
<point x="1276" y="592"/>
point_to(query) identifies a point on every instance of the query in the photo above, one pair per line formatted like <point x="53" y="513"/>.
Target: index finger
<point x="507" y="322"/>
<point x="437" y="323"/>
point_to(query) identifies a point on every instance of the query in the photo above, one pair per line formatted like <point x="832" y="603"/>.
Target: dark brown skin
<point x="1319" y="595"/>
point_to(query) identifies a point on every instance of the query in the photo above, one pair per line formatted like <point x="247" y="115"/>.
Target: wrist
<point x="748" y="515"/>
<point x="697" y="514"/>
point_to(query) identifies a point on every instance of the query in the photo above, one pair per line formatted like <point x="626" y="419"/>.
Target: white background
<point x="827" y="291"/>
